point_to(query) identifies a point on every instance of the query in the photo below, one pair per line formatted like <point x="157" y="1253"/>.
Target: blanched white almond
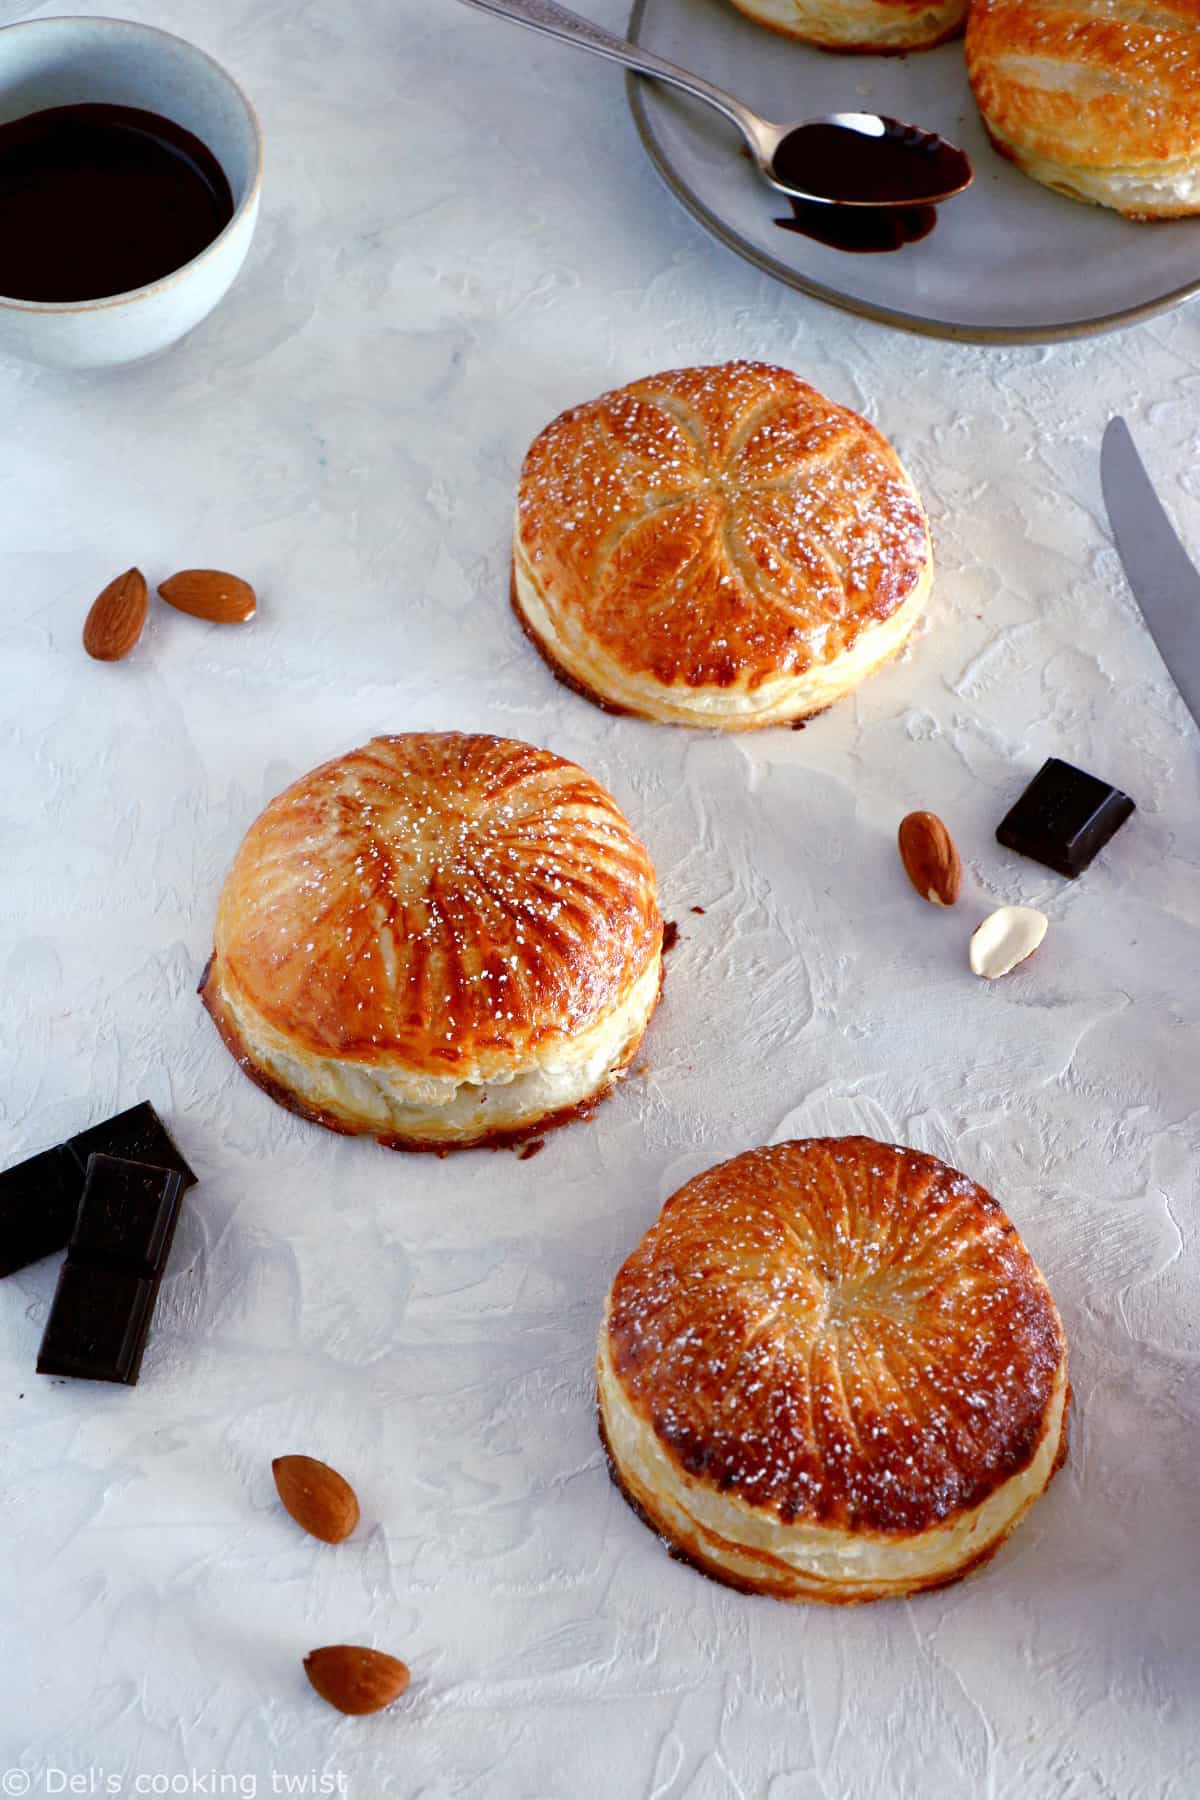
<point x="1005" y="939"/>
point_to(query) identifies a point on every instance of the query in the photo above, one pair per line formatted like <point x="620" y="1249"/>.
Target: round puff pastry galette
<point x="1099" y="99"/>
<point x="878" y="26"/>
<point x="831" y="1371"/>
<point x="717" y="547"/>
<point x="439" y="940"/>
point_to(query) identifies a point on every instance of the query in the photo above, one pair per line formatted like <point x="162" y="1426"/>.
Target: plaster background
<point x="459" y="238"/>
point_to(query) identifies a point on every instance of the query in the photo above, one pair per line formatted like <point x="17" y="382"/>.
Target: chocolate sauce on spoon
<point x="900" y="164"/>
<point x="897" y="165"/>
<point x="853" y="158"/>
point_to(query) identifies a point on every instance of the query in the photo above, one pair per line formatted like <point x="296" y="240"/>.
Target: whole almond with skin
<point x="930" y="858"/>
<point x="318" y="1498"/>
<point x="210" y="594"/>
<point x="356" y="1680"/>
<point x="116" y="617"/>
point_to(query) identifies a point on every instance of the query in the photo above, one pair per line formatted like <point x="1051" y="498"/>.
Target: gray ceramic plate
<point x="1009" y="260"/>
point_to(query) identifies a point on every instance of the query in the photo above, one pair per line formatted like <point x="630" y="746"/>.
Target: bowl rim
<point x="244" y="207"/>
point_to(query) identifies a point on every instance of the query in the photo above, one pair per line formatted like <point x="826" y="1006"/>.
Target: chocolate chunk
<point x="38" y="1203"/>
<point x="98" y="1323"/>
<point x="127" y="1216"/>
<point x="104" y="1302"/>
<point x="139" y="1134"/>
<point x="1064" y="818"/>
<point x="39" y="1198"/>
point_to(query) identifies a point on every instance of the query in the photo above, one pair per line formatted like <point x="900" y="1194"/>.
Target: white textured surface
<point x="346" y="431"/>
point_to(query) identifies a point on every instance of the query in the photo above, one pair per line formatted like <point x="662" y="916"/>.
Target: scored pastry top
<point x="440" y="899"/>
<point x="718" y="526"/>
<point x="839" y="1331"/>
<point x="1110" y="85"/>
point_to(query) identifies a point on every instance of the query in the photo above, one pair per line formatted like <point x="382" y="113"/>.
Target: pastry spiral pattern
<point x="446" y="900"/>
<point x="839" y="1332"/>
<point x="716" y="527"/>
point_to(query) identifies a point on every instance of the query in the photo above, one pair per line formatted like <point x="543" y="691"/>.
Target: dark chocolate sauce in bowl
<point x="98" y="200"/>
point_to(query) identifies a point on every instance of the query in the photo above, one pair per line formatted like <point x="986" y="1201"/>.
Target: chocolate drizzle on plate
<point x="860" y="230"/>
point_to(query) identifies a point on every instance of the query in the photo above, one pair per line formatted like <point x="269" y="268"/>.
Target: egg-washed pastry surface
<point x="717" y="547"/>
<point x="876" y="26"/>
<point x="439" y="940"/>
<point x="1099" y="99"/>
<point x="831" y="1371"/>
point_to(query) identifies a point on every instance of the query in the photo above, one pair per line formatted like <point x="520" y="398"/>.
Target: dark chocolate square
<point x="1064" y="818"/>
<point x="98" y="1324"/>
<point x="39" y="1199"/>
<point x="127" y="1215"/>
<point x="139" y="1134"/>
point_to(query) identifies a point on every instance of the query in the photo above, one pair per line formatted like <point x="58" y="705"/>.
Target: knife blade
<point x="1164" y="580"/>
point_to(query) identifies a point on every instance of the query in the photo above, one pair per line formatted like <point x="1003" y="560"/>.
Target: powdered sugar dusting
<point x="841" y="1331"/>
<point x="718" y="526"/>
<point x="1102" y="90"/>
<point x="433" y="895"/>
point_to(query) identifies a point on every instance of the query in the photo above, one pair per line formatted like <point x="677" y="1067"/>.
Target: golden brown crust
<point x="555" y="667"/>
<point x="439" y="899"/>
<point x="717" y="528"/>
<point x="837" y="47"/>
<point x="839" y="1332"/>
<point x="794" y="722"/>
<point x="504" y="1138"/>
<point x="782" y="1583"/>
<point x="1099" y="99"/>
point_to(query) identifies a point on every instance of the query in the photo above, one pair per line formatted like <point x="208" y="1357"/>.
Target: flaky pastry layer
<point x="400" y="1105"/>
<point x="1159" y="191"/>
<point x="879" y="26"/>
<point x="437" y="938"/>
<point x="781" y="700"/>
<point x="831" y="1370"/>
<point x="1097" y="99"/>
<point x="717" y="547"/>
<point x="752" y="1549"/>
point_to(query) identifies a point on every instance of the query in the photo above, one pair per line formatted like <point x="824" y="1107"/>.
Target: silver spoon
<point x="870" y="152"/>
